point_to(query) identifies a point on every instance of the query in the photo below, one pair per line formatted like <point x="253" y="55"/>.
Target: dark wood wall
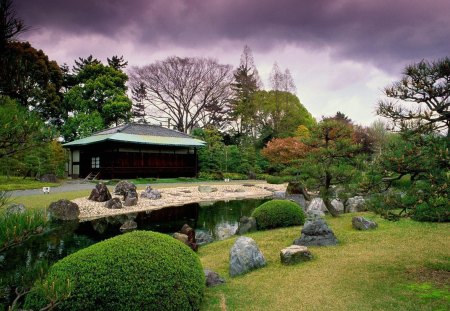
<point x="133" y="161"/>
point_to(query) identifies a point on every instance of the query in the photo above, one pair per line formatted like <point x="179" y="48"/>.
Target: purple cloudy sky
<point x="341" y="53"/>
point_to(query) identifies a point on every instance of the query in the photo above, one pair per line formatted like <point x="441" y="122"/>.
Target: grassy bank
<point x="44" y="200"/>
<point x="19" y="183"/>
<point x="400" y="266"/>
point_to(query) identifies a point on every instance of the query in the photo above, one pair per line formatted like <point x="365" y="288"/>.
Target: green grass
<point x="18" y="183"/>
<point x="43" y="200"/>
<point x="369" y="270"/>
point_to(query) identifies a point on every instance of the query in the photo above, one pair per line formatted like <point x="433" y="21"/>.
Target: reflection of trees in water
<point x="220" y="218"/>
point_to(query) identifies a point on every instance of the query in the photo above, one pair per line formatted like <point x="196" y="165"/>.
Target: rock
<point x="114" y="203"/>
<point x="297" y="198"/>
<point x="295" y="187"/>
<point x="206" y="189"/>
<point x="130" y="198"/>
<point x="181" y="237"/>
<point x="14" y="208"/>
<point x="151" y="194"/>
<point x="246" y="224"/>
<point x="314" y="215"/>
<point x="64" y="210"/>
<point x="361" y="223"/>
<point x="128" y="225"/>
<point x="225" y="230"/>
<point x="190" y="233"/>
<point x="294" y="254"/>
<point x="316" y="233"/>
<point x="279" y="194"/>
<point x="245" y="256"/>
<point x="49" y="178"/>
<point x="202" y="238"/>
<point x="123" y="186"/>
<point x="100" y="193"/>
<point x="356" y="204"/>
<point x="213" y="278"/>
<point x="338" y="205"/>
<point x="317" y="204"/>
<point x="239" y="190"/>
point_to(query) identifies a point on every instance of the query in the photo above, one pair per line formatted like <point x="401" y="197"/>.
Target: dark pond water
<point x="21" y="264"/>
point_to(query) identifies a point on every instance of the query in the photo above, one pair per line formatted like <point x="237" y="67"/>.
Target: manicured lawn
<point x="18" y="183"/>
<point x="400" y="266"/>
<point x="44" y="200"/>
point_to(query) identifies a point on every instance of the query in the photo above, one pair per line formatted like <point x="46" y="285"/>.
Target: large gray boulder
<point x="356" y="204"/>
<point x="361" y="223"/>
<point x="123" y="186"/>
<point x="213" y="278"/>
<point x="245" y="256"/>
<point x="279" y="194"/>
<point x="295" y="254"/>
<point x="151" y="193"/>
<point x="64" y="210"/>
<point x="225" y="230"/>
<point x="246" y="224"/>
<point x="316" y="233"/>
<point x="317" y="204"/>
<point x="338" y="205"/>
<point x="297" y="198"/>
<point x="100" y="193"/>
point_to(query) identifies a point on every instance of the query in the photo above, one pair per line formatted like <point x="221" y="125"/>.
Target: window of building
<point x="95" y="162"/>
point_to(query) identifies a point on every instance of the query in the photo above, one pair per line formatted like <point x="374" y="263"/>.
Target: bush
<point x="235" y="176"/>
<point x="438" y="210"/>
<point x="278" y="213"/>
<point x="141" y="270"/>
<point x="274" y="180"/>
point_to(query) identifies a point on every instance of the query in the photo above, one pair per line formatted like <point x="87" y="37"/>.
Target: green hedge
<point x="278" y="213"/>
<point x="141" y="270"/>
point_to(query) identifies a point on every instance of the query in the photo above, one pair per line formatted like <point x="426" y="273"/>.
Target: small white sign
<point x="46" y="190"/>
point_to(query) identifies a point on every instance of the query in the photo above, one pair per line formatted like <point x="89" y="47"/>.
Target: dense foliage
<point x="140" y="270"/>
<point x="278" y="213"/>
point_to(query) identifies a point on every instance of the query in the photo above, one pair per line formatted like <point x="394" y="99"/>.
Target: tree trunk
<point x="330" y="207"/>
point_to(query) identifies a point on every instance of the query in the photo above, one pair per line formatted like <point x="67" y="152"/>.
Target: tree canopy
<point x="421" y="99"/>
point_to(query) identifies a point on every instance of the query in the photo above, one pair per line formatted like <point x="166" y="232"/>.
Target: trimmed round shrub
<point x="278" y="213"/>
<point x="140" y="270"/>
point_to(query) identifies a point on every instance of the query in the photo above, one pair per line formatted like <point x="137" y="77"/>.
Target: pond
<point x="23" y="263"/>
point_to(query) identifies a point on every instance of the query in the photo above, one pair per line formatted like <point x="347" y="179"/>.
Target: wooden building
<point x="132" y="151"/>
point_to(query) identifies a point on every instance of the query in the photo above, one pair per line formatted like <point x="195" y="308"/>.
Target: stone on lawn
<point x="64" y="210"/>
<point x="123" y="187"/>
<point x="202" y="237"/>
<point x="317" y="204"/>
<point x="297" y="198"/>
<point x="279" y="194"/>
<point x="356" y="204"/>
<point x="100" y="193"/>
<point x="246" y="224"/>
<point x="245" y="256"/>
<point x="360" y="223"/>
<point x="114" y="203"/>
<point x="151" y="193"/>
<point x="338" y="205"/>
<point x="14" y="209"/>
<point x="294" y="254"/>
<point x="316" y="233"/>
<point x="128" y="225"/>
<point x="213" y="278"/>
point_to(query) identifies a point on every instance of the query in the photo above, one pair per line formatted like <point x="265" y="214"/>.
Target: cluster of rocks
<point x="123" y="188"/>
<point x="187" y="236"/>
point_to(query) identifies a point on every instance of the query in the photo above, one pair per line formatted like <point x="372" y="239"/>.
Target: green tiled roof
<point x="139" y="139"/>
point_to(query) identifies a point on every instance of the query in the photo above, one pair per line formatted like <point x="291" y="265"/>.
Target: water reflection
<point x="22" y="264"/>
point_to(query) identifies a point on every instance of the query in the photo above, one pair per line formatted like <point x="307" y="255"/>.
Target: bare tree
<point x="193" y="92"/>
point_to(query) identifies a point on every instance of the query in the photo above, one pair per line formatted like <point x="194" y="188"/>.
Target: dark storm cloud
<point x="382" y="31"/>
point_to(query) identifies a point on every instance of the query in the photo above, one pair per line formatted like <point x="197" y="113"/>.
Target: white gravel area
<point x="178" y="196"/>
